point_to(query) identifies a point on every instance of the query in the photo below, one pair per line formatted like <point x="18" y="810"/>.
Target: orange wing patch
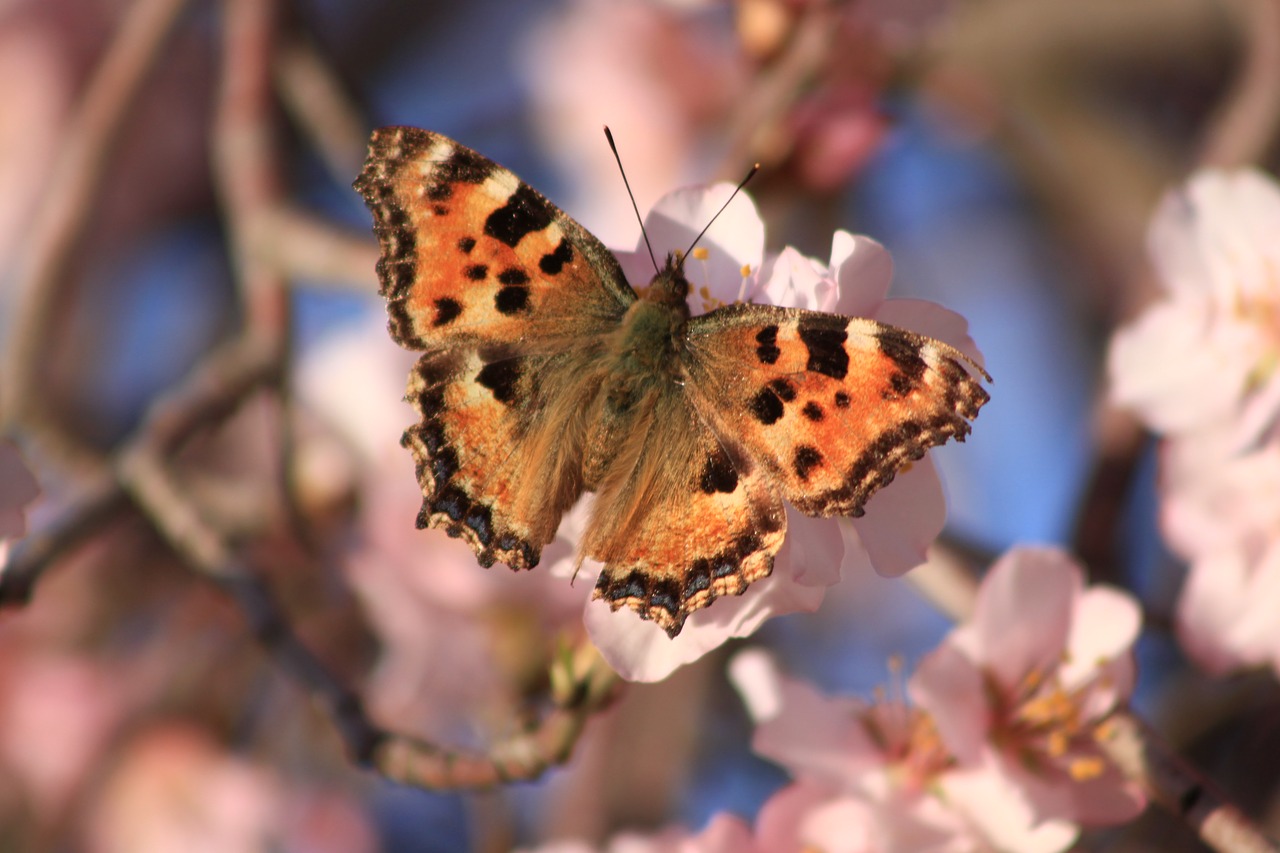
<point x="834" y="406"/>
<point x="470" y="254"/>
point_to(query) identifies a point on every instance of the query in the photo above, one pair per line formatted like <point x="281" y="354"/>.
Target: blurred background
<point x="189" y="317"/>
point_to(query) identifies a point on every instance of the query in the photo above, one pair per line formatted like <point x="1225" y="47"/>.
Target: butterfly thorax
<point x="643" y="363"/>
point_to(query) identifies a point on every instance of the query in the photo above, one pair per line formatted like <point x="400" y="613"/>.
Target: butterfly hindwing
<point x="833" y="406"/>
<point x="682" y="517"/>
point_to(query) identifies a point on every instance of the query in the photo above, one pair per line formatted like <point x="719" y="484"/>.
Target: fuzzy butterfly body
<point x="544" y="375"/>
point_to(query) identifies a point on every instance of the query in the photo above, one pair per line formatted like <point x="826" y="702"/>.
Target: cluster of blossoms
<point x="1199" y="368"/>
<point x="995" y="750"/>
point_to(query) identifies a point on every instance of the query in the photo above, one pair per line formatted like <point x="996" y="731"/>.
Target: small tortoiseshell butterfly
<point x="544" y="375"/>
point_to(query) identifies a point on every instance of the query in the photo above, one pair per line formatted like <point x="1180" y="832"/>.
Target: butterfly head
<point x="669" y="286"/>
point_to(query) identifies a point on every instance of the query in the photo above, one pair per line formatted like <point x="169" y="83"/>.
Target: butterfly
<point x="544" y="375"/>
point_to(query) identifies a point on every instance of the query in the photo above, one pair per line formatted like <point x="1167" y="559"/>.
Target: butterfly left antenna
<point x="742" y="183"/>
<point x="614" y="148"/>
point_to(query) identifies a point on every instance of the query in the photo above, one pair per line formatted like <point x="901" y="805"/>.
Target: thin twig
<point x="300" y="246"/>
<point x="583" y="684"/>
<point x="95" y="508"/>
<point x="214" y="389"/>
<point x="67" y="205"/>
<point x="1143" y="757"/>
<point x="319" y="104"/>
<point x="758" y="124"/>
<point x="245" y="162"/>
<point x="1245" y="124"/>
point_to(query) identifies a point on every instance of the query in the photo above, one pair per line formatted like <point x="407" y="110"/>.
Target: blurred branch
<point x="67" y="205"/>
<point x="758" y="128"/>
<point x="1245" y="124"/>
<point x="582" y="685"/>
<point x="1143" y="757"/>
<point x="93" y="509"/>
<point x="301" y="246"/>
<point x="245" y="164"/>
<point x="212" y="391"/>
<point x="319" y="104"/>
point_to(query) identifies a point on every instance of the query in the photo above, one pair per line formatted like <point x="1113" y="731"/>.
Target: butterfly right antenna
<point x="742" y="183"/>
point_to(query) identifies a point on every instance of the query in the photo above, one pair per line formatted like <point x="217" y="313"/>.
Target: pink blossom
<point x="1017" y="692"/>
<point x="724" y="833"/>
<point x="1225" y="520"/>
<point x="1205" y="352"/>
<point x="996" y="751"/>
<point x="656" y="74"/>
<point x="730" y="265"/>
<point x="43" y="692"/>
<point x="866" y="775"/>
<point x="174" y="788"/>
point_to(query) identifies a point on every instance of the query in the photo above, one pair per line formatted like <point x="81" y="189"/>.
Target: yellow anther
<point x="1083" y="769"/>
<point x="701" y="254"/>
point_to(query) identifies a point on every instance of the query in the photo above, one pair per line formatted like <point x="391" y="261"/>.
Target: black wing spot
<point x="665" y="594"/>
<point x="767" y="345"/>
<point x="826" y="350"/>
<point x="513" y="275"/>
<point x="766" y="407"/>
<point x="476" y="272"/>
<point x="813" y="411"/>
<point x="462" y="166"/>
<point x="718" y="475"/>
<point x="806" y="459"/>
<point x="785" y="390"/>
<point x="900" y="385"/>
<point x="501" y="378"/>
<point x="466" y="244"/>
<point x="452" y="502"/>
<point x="443" y="466"/>
<point x="841" y="400"/>
<point x="480" y="520"/>
<point x="524" y="213"/>
<point x="512" y="299"/>
<point x="904" y="352"/>
<point x="447" y="310"/>
<point x="553" y="262"/>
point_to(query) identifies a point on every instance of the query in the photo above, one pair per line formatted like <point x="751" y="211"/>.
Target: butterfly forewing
<point x="471" y="254"/>
<point x="833" y="406"/>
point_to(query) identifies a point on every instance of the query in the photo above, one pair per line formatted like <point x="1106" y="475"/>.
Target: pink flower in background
<point x="1016" y="694"/>
<point x="866" y="775"/>
<point x="996" y="751"/>
<point x="1206" y="353"/>
<point x="724" y="833"/>
<point x="659" y="75"/>
<point x="174" y="788"/>
<point x="1225" y="520"/>
<point x="1200" y="366"/>
<point x="730" y="265"/>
